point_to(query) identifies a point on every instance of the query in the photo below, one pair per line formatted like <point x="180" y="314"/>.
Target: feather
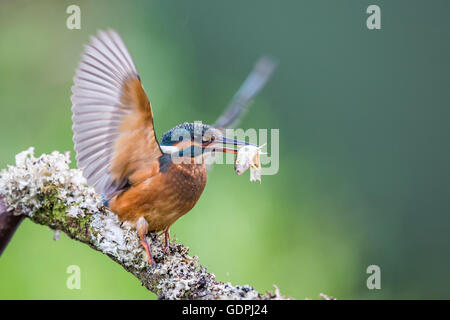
<point x="242" y="100"/>
<point x="112" y="117"/>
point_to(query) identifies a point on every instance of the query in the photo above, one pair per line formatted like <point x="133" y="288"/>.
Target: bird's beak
<point x="220" y="145"/>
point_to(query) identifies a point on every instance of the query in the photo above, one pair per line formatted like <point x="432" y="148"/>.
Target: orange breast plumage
<point x="163" y="198"/>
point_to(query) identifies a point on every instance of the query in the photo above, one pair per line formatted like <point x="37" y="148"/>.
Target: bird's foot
<point x="166" y="233"/>
<point x="147" y="250"/>
<point x="166" y="241"/>
<point x="142" y="228"/>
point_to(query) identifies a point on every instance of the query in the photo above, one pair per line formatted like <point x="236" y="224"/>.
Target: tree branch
<point x="48" y="192"/>
<point x="9" y="222"/>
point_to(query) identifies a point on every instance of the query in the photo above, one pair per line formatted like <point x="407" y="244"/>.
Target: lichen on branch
<point x="48" y="192"/>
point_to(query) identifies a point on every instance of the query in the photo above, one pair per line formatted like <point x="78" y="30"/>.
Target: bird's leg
<point x="142" y="228"/>
<point x="166" y="240"/>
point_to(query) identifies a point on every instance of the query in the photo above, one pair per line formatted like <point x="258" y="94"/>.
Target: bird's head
<point x="193" y="140"/>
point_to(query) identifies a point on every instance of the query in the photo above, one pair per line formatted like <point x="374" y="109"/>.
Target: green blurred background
<point x="364" y="127"/>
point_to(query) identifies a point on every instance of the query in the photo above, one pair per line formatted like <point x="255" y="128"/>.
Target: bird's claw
<point x="147" y="251"/>
<point x="166" y="241"/>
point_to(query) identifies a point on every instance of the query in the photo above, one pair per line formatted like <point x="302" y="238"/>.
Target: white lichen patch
<point x="117" y="239"/>
<point x="22" y="184"/>
<point x="182" y="276"/>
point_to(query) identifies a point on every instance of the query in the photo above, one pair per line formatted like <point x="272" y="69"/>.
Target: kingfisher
<point x="147" y="183"/>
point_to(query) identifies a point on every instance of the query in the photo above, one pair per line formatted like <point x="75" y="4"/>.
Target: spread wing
<point x="243" y="98"/>
<point x="112" y="117"/>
